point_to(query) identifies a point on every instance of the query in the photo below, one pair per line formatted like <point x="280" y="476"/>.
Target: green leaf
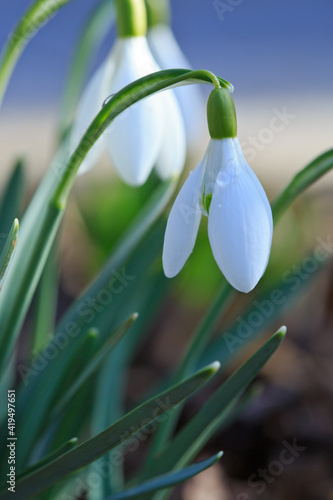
<point x="22" y="280"/>
<point x="111" y="437"/>
<point x="304" y="179"/>
<point x="191" y="438"/>
<point x="11" y="202"/>
<point x="45" y="306"/>
<point x="98" y="24"/>
<point x="37" y="381"/>
<point x="60" y="383"/>
<point x="31" y="423"/>
<point x="167" y="480"/>
<point x="49" y="458"/>
<point x="7" y="254"/>
<point x="200" y="340"/>
<point x="113" y="375"/>
<point x="37" y="15"/>
<point x="93" y="365"/>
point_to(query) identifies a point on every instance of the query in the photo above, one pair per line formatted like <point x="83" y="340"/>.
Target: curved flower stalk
<point x="225" y="189"/>
<point x="150" y="133"/>
<point x="168" y="54"/>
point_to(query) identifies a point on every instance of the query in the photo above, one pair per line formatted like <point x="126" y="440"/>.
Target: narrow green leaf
<point x="49" y="458"/>
<point x="111" y="437"/>
<point x="72" y="424"/>
<point x="31" y="424"/>
<point x="11" y="202"/>
<point x="302" y="180"/>
<point x="37" y="15"/>
<point x="85" y="350"/>
<point x="200" y="340"/>
<point x="94" y="31"/>
<point x="22" y="280"/>
<point x="93" y="365"/>
<point x="109" y="406"/>
<point x="167" y="480"/>
<point x="7" y="382"/>
<point x="7" y="254"/>
<point x="113" y="375"/>
<point x="45" y="305"/>
<point x="69" y="334"/>
<point x="189" y="440"/>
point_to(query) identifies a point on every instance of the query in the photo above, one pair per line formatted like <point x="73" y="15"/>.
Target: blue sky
<point x="262" y="46"/>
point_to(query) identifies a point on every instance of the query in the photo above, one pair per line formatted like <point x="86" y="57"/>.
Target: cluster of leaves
<point x="74" y="382"/>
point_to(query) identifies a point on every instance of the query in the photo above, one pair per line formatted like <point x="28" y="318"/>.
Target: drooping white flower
<point x="149" y="133"/>
<point x="168" y="54"/>
<point x="240" y="225"/>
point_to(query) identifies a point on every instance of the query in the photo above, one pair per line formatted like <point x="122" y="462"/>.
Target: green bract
<point x="158" y="12"/>
<point x="221" y="114"/>
<point x="131" y="18"/>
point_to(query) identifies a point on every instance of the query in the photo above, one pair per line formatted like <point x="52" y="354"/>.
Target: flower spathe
<point x="240" y="225"/>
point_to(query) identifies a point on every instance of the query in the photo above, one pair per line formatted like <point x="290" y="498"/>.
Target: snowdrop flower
<point x="168" y="55"/>
<point x="224" y="188"/>
<point x="151" y="132"/>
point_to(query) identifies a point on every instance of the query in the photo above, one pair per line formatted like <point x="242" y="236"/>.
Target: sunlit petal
<point x="239" y="223"/>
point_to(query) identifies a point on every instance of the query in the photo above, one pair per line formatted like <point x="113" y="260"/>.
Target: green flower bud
<point x="158" y="12"/>
<point x="221" y="114"/>
<point x="131" y="18"/>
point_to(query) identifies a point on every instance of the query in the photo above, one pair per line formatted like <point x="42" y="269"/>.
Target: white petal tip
<point x="215" y="366"/>
<point x="170" y="267"/>
<point x="245" y="287"/>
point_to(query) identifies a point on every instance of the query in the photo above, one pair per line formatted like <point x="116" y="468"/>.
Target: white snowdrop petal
<point x="90" y="105"/>
<point x="171" y="158"/>
<point x="134" y="138"/>
<point x="239" y="226"/>
<point x="168" y="54"/>
<point x="255" y="180"/>
<point x="183" y="224"/>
